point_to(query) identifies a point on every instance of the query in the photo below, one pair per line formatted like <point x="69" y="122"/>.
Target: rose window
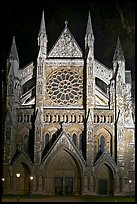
<point x="64" y="87"/>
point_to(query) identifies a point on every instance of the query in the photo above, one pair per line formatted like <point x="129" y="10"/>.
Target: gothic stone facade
<point x="68" y="120"/>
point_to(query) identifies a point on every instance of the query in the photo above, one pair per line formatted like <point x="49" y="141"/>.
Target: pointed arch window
<point x="102" y="143"/>
<point x="74" y="138"/>
<point x="80" y="141"/>
<point x="54" y="136"/>
<point x="46" y="139"/>
<point x="8" y="133"/>
<point x="25" y="143"/>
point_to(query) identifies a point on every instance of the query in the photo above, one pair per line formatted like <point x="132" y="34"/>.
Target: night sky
<point x="110" y="19"/>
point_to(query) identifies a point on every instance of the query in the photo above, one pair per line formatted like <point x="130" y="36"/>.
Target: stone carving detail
<point x="11" y="86"/>
<point x="40" y="67"/>
<point x="38" y="133"/>
<point x="90" y="89"/>
<point x="89" y="134"/>
<point x="40" y="84"/>
<point x="90" y="69"/>
<point x="120" y="133"/>
<point x="63" y="141"/>
<point x="69" y="63"/>
<point x="66" y="46"/>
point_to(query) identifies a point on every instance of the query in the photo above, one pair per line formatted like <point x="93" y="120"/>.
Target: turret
<point x="13" y="58"/>
<point x="119" y="61"/>
<point x="118" y="78"/>
<point x="42" y="38"/>
<point x="117" y="91"/>
<point x="118" y="55"/>
<point x="12" y="75"/>
<point x="12" y="98"/>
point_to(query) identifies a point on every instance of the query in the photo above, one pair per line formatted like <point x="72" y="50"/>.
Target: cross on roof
<point x="66" y="23"/>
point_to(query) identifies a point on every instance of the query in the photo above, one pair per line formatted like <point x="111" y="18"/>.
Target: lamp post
<point x="31" y="179"/>
<point x="17" y="186"/>
<point x="130" y="181"/>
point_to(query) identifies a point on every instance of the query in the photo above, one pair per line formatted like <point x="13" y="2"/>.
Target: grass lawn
<point x="84" y="198"/>
<point x="108" y="199"/>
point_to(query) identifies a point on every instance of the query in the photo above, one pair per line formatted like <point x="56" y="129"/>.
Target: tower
<point x="38" y="112"/>
<point x="119" y="81"/>
<point x="12" y="99"/>
<point x="12" y="103"/>
<point x="90" y="87"/>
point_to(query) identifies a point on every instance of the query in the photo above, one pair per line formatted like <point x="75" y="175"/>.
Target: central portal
<point x="62" y="174"/>
<point x="63" y="185"/>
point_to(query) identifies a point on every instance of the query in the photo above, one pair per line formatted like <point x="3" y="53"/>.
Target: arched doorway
<point x="105" y="180"/>
<point x="26" y="178"/>
<point x="21" y="184"/>
<point x="62" y="174"/>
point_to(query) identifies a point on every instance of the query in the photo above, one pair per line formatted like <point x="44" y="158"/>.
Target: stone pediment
<point x="66" y="46"/>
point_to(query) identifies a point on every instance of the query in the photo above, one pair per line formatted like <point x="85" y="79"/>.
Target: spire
<point x="89" y="26"/>
<point x="118" y="55"/>
<point x="42" y="25"/>
<point x="13" y="52"/>
<point x="89" y="37"/>
<point x="42" y="38"/>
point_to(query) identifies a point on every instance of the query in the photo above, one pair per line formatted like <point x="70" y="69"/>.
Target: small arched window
<point x="80" y="141"/>
<point x="102" y="143"/>
<point x="8" y="133"/>
<point x="46" y="139"/>
<point x="58" y="118"/>
<point x="54" y="136"/>
<point x="26" y="142"/>
<point x="66" y="118"/>
<point x="74" y="138"/>
<point x="74" y="119"/>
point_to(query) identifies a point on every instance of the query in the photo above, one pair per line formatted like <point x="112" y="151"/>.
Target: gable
<point x="65" y="47"/>
<point x="64" y="142"/>
<point x="20" y="157"/>
<point x="105" y="158"/>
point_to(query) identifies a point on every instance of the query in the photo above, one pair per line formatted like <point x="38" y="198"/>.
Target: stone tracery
<point x="64" y="87"/>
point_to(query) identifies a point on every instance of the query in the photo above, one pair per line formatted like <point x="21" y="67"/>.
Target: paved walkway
<point x="46" y="199"/>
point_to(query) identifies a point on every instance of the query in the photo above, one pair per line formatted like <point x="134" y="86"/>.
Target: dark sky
<point x="110" y="19"/>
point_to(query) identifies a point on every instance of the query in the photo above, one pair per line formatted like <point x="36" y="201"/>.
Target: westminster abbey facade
<point x="69" y="121"/>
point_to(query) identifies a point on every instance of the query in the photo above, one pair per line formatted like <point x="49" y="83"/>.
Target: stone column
<point x="85" y="183"/>
<point x="91" y="184"/>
